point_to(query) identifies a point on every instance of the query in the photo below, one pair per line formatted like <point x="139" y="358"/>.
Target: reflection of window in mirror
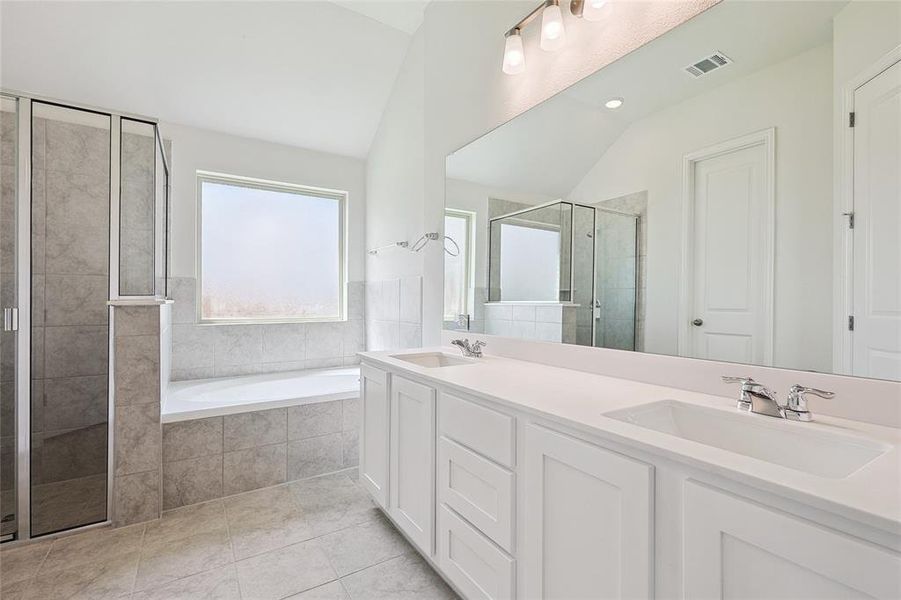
<point x="458" y="271"/>
<point x="530" y="263"/>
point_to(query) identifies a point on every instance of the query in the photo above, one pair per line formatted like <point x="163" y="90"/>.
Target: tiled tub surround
<point x="137" y="360"/>
<point x="541" y="321"/>
<point x="315" y="539"/>
<point x="200" y="350"/>
<point x="394" y="313"/>
<point x="219" y="456"/>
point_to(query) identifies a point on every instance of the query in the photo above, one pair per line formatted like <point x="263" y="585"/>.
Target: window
<point x="457" y="269"/>
<point x="270" y="251"/>
<point x="530" y="263"/>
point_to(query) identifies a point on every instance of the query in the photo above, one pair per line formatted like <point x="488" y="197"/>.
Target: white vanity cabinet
<point x="509" y="504"/>
<point x="588" y="520"/>
<point x="375" y="415"/>
<point x="735" y="548"/>
<point x="412" y="471"/>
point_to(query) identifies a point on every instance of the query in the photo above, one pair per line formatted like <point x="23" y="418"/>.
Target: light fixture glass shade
<point x="553" y="35"/>
<point x="514" y="56"/>
<point x="591" y="9"/>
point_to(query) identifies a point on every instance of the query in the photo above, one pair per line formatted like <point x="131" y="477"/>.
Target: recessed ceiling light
<point x="613" y="103"/>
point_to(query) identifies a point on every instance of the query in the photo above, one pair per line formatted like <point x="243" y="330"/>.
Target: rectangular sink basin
<point x="433" y="360"/>
<point x="765" y="438"/>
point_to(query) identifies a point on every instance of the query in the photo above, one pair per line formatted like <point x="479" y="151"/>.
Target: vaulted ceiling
<point x="313" y="74"/>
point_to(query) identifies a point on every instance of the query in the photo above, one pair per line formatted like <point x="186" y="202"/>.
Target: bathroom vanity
<point x="521" y="480"/>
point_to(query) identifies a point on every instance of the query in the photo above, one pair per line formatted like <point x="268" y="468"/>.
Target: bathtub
<point x="202" y="398"/>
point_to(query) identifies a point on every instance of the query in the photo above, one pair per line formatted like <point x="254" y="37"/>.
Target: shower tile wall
<point x="138" y="436"/>
<point x="546" y="322"/>
<point x="137" y="200"/>
<point x="200" y="351"/>
<point x="70" y="339"/>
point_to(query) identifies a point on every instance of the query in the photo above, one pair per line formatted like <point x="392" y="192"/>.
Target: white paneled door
<point x="876" y="338"/>
<point x="729" y="233"/>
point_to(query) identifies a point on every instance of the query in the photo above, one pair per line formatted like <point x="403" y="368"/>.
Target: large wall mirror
<point x="705" y="196"/>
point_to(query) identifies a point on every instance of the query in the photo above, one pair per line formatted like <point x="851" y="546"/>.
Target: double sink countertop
<point x="581" y="400"/>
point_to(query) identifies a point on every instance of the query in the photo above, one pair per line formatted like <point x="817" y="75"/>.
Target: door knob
<point x="697" y="322"/>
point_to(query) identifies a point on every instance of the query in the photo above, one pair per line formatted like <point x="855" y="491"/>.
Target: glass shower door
<point x="616" y="280"/>
<point x="70" y="258"/>
<point x="9" y="116"/>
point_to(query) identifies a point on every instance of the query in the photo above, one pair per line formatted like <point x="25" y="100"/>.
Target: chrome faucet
<point x="796" y="407"/>
<point x="474" y="350"/>
<point x="756" y="397"/>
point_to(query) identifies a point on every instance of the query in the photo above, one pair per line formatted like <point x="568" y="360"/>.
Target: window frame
<point x="469" y="259"/>
<point x="340" y="196"/>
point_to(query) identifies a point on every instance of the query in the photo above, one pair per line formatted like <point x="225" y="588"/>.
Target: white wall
<point x="451" y="90"/>
<point x="795" y="97"/>
<point x="199" y="149"/>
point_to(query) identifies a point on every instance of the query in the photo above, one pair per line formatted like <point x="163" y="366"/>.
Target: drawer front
<point x="475" y="565"/>
<point x="478" y="489"/>
<point x="477" y="427"/>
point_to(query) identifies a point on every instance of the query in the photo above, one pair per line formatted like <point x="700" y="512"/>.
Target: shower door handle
<point x="10" y="319"/>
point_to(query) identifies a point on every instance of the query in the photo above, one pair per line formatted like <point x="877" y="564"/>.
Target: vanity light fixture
<point x="591" y="9"/>
<point x="514" y="56"/>
<point x="613" y="103"/>
<point x="553" y="32"/>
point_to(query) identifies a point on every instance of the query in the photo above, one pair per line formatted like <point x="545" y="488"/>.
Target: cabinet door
<point x="374" y="419"/>
<point x="735" y="548"/>
<point x="588" y="520"/>
<point x="413" y="461"/>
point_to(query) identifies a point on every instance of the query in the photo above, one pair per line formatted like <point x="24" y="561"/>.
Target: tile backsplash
<point x="200" y="351"/>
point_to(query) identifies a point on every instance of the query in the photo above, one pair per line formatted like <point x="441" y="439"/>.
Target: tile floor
<point x="317" y="539"/>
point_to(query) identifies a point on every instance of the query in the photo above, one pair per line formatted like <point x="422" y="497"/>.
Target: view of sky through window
<point x="269" y="254"/>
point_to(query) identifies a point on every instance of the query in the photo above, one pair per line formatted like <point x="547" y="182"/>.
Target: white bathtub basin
<point x="801" y="446"/>
<point x="201" y="398"/>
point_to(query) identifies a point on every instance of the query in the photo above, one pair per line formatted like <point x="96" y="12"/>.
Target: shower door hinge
<point x="10" y="319"/>
<point x="850" y="322"/>
<point x="851" y="119"/>
<point x="850" y="216"/>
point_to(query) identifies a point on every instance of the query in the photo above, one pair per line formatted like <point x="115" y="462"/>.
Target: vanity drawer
<point x="475" y="565"/>
<point x="477" y="427"/>
<point x="478" y="490"/>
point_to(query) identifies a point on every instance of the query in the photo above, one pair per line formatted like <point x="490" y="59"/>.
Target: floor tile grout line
<point x="134" y="579"/>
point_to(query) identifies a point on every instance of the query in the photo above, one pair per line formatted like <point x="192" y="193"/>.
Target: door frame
<point x="767" y="139"/>
<point x="843" y="203"/>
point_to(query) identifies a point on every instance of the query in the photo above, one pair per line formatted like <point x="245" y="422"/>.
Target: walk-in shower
<point x="585" y="257"/>
<point x="83" y="223"/>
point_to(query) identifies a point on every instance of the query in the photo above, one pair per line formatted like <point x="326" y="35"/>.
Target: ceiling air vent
<point x="708" y="64"/>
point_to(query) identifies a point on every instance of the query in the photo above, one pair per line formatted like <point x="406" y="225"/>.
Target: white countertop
<point x="871" y="495"/>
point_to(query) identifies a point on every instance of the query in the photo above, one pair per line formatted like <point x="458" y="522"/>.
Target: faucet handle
<point x="796" y="406"/>
<point x="744" y="381"/>
<point x="479" y="344"/>
<point x="799" y="391"/>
